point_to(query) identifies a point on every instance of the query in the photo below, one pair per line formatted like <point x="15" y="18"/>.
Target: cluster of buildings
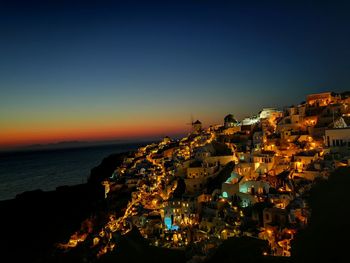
<point x="240" y="178"/>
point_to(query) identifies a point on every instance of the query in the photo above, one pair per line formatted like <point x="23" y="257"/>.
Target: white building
<point x="337" y="137"/>
<point x="269" y="112"/>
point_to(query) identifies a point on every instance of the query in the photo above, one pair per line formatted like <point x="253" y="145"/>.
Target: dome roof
<point x="230" y="118"/>
<point x="197" y="122"/>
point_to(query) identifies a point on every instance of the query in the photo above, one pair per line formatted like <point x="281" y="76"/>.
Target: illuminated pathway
<point x="121" y="225"/>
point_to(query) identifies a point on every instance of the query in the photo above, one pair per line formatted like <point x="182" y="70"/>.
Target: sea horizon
<point x="48" y="168"/>
<point x="69" y="144"/>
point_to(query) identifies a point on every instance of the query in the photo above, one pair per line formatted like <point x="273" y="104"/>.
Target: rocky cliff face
<point x="34" y="221"/>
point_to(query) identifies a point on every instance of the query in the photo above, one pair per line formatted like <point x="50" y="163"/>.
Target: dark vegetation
<point x="215" y="183"/>
<point x="221" y="149"/>
<point x="326" y="239"/>
<point x="244" y="249"/>
<point x="134" y="248"/>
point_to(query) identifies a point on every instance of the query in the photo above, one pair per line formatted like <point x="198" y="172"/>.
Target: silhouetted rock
<point x="106" y="168"/>
<point x="134" y="248"/>
<point x="33" y="222"/>
<point x="326" y="239"/>
<point x="243" y="250"/>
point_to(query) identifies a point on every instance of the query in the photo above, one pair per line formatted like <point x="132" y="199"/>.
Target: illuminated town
<point x="240" y="178"/>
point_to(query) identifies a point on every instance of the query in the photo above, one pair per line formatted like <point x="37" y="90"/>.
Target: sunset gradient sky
<point x="101" y="70"/>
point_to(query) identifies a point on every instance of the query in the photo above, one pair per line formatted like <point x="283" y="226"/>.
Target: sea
<point x="48" y="169"/>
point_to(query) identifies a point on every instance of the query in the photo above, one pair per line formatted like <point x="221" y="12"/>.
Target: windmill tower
<point x="196" y="125"/>
<point x="191" y="123"/>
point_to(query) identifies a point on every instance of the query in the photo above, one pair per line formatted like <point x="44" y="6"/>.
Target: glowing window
<point x="167" y="222"/>
<point x="243" y="189"/>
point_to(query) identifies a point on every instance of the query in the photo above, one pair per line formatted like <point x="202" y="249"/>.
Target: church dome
<point x="230" y="118"/>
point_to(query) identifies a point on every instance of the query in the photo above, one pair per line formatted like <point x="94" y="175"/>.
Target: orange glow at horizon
<point x="41" y="135"/>
<point x="23" y="128"/>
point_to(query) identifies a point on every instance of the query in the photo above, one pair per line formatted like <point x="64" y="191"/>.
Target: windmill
<point x="191" y="122"/>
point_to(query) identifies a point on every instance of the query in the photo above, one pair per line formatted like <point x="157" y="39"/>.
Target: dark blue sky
<point x="97" y="62"/>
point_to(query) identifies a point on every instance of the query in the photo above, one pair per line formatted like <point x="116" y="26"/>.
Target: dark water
<point x="47" y="169"/>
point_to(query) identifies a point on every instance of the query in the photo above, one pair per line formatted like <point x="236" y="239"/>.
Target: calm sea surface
<point x="47" y="169"/>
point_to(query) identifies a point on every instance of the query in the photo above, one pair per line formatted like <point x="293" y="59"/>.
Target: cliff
<point x="34" y="221"/>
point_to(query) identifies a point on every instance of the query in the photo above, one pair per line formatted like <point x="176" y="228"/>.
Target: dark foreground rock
<point x="106" y="168"/>
<point x="33" y="222"/>
<point x="326" y="239"/>
<point x="244" y="250"/>
<point x="134" y="248"/>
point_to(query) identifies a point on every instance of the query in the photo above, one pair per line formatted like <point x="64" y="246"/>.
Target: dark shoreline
<point x="34" y="221"/>
<point x="47" y="169"/>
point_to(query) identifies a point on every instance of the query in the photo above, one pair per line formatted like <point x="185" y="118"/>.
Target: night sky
<point x="103" y="70"/>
